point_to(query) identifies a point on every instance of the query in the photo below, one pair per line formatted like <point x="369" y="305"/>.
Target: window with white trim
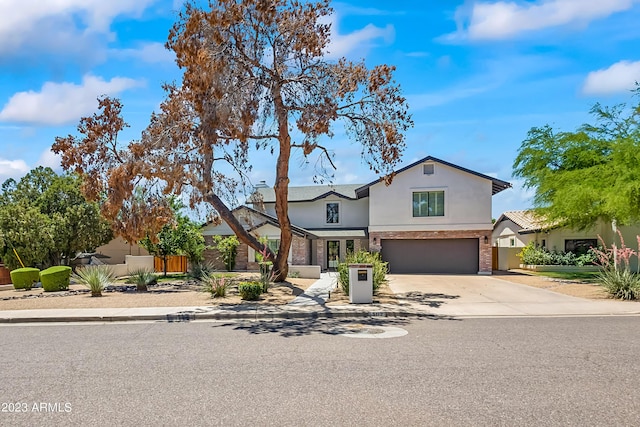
<point x="428" y="203"/>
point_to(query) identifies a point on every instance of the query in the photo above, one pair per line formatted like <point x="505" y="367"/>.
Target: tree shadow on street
<point x="296" y="328"/>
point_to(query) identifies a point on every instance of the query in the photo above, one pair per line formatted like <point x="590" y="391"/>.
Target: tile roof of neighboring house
<point x="527" y="220"/>
<point x="497" y="185"/>
<point x="311" y="193"/>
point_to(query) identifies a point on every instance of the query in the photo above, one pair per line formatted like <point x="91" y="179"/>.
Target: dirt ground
<point x="176" y="293"/>
<point x="568" y="287"/>
<point x="185" y="294"/>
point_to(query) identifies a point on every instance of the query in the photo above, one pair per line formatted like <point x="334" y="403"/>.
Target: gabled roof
<point x="311" y="193"/>
<point x="527" y="220"/>
<point x="497" y="185"/>
<point x="268" y="219"/>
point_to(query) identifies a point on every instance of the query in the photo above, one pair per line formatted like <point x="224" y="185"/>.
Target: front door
<point x="333" y="254"/>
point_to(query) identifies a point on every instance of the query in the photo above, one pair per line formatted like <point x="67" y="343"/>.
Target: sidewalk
<point x="481" y="297"/>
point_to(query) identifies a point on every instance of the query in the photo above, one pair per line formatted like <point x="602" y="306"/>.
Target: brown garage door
<point x="431" y="256"/>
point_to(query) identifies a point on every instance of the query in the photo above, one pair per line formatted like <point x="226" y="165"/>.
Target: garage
<point x="452" y="256"/>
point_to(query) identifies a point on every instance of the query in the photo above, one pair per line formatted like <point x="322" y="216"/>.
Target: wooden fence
<point x="5" y="277"/>
<point x="494" y="258"/>
<point x="175" y="264"/>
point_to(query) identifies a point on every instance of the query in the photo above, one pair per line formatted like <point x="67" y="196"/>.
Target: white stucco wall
<point x="353" y="213"/>
<point x="507" y="230"/>
<point x="246" y="218"/>
<point x="467" y="201"/>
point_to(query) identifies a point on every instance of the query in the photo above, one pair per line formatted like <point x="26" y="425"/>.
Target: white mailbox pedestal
<point x="360" y="283"/>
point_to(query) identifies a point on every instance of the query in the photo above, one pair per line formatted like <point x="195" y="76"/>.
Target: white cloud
<point x="23" y="21"/>
<point x="152" y="53"/>
<point x="619" y="77"/>
<point x="506" y="19"/>
<point x="343" y="44"/>
<point x="61" y="103"/>
<point x="50" y="159"/>
<point x="12" y="169"/>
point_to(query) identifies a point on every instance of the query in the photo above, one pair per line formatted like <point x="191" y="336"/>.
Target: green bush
<point x="380" y="269"/>
<point x="24" y="278"/>
<point x="250" y="291"/>
<point x="620" y="283"/>
<point x="95" y="278"/>
<point x="201" y="269"/>
<point x="228" y="249"/>
<point x="55" y="278"/>
<point x="534" y="255"/>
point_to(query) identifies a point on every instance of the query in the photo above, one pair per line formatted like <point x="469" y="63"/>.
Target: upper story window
<point x="428" y="203"/>
<point x="428" y="169"/>
<point x="333" y="212"/>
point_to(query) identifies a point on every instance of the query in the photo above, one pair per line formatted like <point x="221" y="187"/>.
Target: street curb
<point x="188" y="316"/>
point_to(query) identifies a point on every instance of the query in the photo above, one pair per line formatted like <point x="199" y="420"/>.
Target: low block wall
<point x="564" y="268"/>
<point x="306" y="271"/>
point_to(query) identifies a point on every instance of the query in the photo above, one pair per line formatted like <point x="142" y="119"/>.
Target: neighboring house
<point x="516" y="229"/>
<point x="435" y="217"/>
<point x="117" y="249"/>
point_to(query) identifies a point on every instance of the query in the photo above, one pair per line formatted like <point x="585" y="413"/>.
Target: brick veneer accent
<point x="322" y="262"/>
<point x="484" y="263"/>
<point x="300" y="254"/>
<point x="213" y="257"/>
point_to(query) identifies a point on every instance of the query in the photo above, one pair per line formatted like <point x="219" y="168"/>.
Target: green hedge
<point x="24" y="278"/>
<point x="55" y="278"/>
<point x="250" y="291"/>
<point x="380" y="268"/>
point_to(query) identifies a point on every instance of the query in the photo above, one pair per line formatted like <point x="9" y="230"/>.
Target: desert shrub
<point x="534" y="255"/>
<point x="380" y="268"/>
<point x="142" y="279"/>
<point x="96" y="278"/>
<point x="24" y="278"/>
<point x="200" y="269"/>
<point x="55" y="278"/>
<point x="293" y="274"/>
<point x="250" y="291"/>
<point x="615" y="274"/>
<point x="216" y="285"/>
<point x="620" y="283"/>
<point x="266" y="275"/>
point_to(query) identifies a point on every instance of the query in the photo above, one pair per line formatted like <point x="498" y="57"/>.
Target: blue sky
<point x="477" y="74"/>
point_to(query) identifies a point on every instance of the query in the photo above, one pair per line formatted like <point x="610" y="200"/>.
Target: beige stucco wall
<point x="352" y="213"/>
<point x="507" y="230"/>
<point x="117" y="249"/>
<point x="467" y="201"/>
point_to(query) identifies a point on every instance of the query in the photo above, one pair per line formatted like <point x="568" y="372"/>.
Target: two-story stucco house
<point x="435" y="217"/>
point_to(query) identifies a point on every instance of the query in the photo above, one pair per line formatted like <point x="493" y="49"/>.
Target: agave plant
<point x="142" y="279"/>
<point x="95" y="278"/>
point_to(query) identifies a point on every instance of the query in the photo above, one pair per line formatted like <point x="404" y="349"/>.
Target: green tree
<point x="47" y="220"/>
<point x="228" y="249"/>
<point x="589" y="174"/>
<point x="256" y="77"/>
<point x="179" y="236"/>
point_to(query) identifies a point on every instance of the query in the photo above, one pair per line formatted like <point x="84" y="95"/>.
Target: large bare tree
<point x="256" y="77"/>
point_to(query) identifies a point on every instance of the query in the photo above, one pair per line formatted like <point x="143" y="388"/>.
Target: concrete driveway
<point x="476" y="295"/>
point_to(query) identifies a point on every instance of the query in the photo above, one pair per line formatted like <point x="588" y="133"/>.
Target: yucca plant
<point x="142" y="279"/>
<point x="95" y="278"/>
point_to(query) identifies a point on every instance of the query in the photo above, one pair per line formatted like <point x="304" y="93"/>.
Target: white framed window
<point x="428" y="203"/>
<point x="332" y="213"/>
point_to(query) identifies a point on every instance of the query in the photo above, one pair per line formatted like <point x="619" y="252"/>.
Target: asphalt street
<point x="580" y="371"/>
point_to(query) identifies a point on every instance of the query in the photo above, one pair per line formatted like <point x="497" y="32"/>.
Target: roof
<point x="268" y="219"/>
<point x="527" y="220"/>
<point x="357" y="233"/>
<point x="311" y="193"/>
<point x="497" y="185"/>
